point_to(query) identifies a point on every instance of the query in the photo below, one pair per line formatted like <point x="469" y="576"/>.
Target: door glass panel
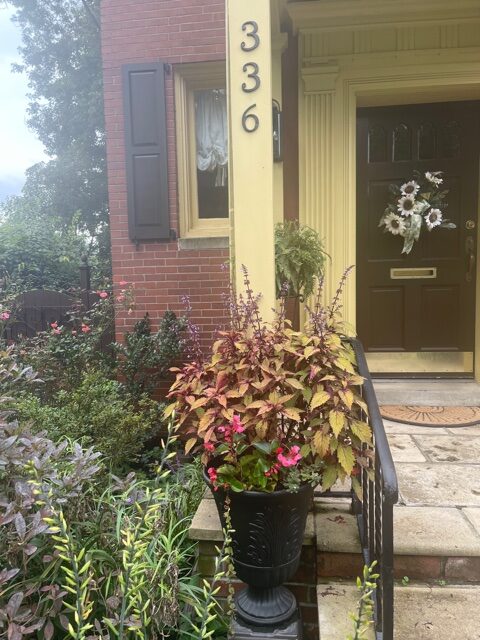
<point x="426" y="141"/>
<point x="450" y="140"/>
<point x="377" y="145"/>
<point x="402" y="143"/>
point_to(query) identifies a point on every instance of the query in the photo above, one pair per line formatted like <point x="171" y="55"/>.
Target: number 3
<point x="253" y="76"/>
<point x="252" y="34"/>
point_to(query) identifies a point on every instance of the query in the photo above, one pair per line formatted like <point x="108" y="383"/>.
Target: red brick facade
<point x="172" y="31"/>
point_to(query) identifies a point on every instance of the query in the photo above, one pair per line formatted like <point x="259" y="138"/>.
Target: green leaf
<point x="264" y="447"/>
<point x="318" y="399"/>
<point x="361" y="430"/>
<point x="329" y="477"/>
<point x="321" y="443"/>
<point x="337" y="421"/>
<point x="346" y="457"/>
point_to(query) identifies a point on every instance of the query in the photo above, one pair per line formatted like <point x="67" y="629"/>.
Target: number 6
<point x="246" y="117"/>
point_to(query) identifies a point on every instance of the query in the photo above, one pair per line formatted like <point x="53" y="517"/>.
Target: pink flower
<point x="74" y="333"/>
<point x="85" y="328"/>
<point x="291" y="458"/>
<point x="57" y="331"/>
<point x="120" y="298"/>
<point x="212" y="474"/>
<point x="208" y="446"/>
<point x="102" y="294"/>
<point x="54" y="325"/>
<point x="237" y="426"/>
<point x="123" y="283"/>
<point x="4" y="316"/>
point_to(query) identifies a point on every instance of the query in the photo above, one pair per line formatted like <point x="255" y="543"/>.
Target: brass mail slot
<point x="413" y="273"/>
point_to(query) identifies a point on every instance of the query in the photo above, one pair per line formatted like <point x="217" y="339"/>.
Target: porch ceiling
<point x="328" y="14"/>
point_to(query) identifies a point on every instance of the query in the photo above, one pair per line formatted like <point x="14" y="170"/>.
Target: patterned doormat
<point x="432" y="416"/>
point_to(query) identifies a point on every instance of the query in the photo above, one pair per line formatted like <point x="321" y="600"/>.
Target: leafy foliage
<point x="97" y="412"/>
<point x="272" y="403"/>
<point x="82" y="396"/>
<point x="61" y="57"/>
<point x="362" y="619"/>
<point x="86" y="553"/>
<point x="299" y="259"/>
<point x="145" y="357"/>
<point x="37" y="253"/>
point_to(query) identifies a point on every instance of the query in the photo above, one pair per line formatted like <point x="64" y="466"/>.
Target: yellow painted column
<point x="249" y="75"/>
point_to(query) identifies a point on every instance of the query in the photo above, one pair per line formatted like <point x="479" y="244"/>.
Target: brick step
<point x="422" y="611"/>
<point x="429" y="544"/>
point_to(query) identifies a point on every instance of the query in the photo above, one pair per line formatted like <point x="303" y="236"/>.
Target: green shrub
<point x="98" y="412"/>
<point x="84" y="553"/>
<point x="145" y="357"/>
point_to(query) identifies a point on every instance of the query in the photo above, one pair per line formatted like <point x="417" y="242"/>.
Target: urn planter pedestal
<point x="268" y="531"/>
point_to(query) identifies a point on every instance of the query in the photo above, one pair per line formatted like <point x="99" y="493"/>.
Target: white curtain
<point x="212" y="133"/>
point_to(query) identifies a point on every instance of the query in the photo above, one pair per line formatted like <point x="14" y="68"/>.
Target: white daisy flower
<point x="410" y="188"/>
<point x="433" y="218"/>
<point x="407" y="205"/>
<point x="395" y="224"/>
<point x="434" y="177"/>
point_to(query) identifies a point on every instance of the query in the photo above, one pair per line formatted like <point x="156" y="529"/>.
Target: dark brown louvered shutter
<point x="146" y="151"/>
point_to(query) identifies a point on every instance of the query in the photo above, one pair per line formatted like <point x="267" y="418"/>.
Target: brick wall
<point x="173" y="31"/>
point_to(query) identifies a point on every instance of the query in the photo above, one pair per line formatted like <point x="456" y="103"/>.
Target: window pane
<point x="211" y="129"/>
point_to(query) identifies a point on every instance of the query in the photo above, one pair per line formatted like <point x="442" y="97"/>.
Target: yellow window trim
<point x="188" y="79"/>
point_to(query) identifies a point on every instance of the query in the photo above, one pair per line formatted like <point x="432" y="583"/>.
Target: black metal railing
<point x="375" y="512"/>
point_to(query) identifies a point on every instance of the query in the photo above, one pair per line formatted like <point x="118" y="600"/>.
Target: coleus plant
<point x="271" y="407"/>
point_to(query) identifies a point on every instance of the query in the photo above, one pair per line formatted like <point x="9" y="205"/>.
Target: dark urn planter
<point x="268" y="531"/>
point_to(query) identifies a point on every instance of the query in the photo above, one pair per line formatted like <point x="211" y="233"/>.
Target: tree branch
<point x="91" y="13"/>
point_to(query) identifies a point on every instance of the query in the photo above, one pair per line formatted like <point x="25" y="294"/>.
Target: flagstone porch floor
<point x="437" y="538"/>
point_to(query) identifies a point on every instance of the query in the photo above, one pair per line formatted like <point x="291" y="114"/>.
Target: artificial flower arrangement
<point x="418" y="203"/>
<point x="273" y="408"/>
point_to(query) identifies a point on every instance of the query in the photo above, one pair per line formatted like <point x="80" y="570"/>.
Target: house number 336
<point x="250" y="120"/>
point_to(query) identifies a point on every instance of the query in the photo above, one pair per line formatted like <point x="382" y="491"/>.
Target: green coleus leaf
<point x="329" y="477"/>
<point x="319" y="398"/>
<point x="336" y="420"/>
<point x="346" y="457"/>
<point x="294" y="383"/>
<point x="362" y="430"/>
<point x="292" y="414"/>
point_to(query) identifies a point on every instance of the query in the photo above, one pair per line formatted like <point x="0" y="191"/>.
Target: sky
<point x="19" y="148"/>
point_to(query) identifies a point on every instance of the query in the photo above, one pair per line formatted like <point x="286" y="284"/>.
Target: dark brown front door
<point x="423" y="314"/>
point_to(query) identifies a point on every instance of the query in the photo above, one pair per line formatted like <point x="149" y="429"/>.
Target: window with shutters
<point x="202" y="149"/>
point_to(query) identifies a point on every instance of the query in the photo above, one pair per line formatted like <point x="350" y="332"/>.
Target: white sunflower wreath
<point x="418" y="203"/>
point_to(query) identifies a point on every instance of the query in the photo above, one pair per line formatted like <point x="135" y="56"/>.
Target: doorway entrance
<point x="416" y="312"/>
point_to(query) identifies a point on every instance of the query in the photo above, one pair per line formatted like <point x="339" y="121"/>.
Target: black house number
<point x="250" y="120"/>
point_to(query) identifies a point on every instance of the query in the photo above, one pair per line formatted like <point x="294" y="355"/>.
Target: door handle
<point x="471" y="258"/>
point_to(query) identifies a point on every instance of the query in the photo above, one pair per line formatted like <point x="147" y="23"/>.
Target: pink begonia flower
<point x="208" y="446"/>
<point x="54" y="325"/>
<point x="102" y="294"/>
<point x="291" y="458"/>
<point x="4" y="316"/>
<point x="85" y="328"/>
<point x="237" y="426"/>
<point x="212" y="474"/>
